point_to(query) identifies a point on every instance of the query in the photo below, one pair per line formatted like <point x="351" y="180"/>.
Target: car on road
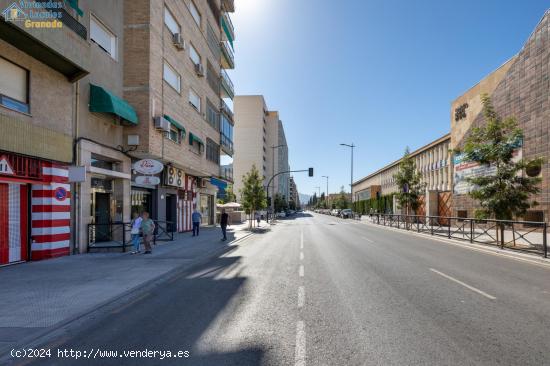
<point x="346" y="213"/>
<point x="335" y="212"/>
<point x="281" y="214"/>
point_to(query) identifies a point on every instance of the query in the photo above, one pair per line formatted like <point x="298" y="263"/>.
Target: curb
<point x="506" y="253"/>
<point x="127" y="295"/>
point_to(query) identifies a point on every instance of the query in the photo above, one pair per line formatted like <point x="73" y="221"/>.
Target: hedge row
<point x="384" y="204"/>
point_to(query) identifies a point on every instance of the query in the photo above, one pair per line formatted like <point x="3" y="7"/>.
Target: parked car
<point x="335" y="212"/>
<point x="281" y="214"/>
<point x="346" y="213"/>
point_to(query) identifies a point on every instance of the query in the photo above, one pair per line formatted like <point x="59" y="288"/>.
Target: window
<point x="174" y="134"/>
<point x="171" y="77"/>
<point x="14" y="81"/>
<point x="212" y="151"/>
<point x="170" y="22"/>
<point x="101" y="36"/>
<point x="195" y="13"/>
<point x="195" y="100"/>
<point x="194" y="55"/>
<point x="212" y="115"/>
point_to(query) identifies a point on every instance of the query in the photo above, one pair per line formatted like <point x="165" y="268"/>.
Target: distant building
<point x="261" y="141"/>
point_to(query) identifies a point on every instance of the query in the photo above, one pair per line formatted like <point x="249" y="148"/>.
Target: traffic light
<point x="310" y="172"/>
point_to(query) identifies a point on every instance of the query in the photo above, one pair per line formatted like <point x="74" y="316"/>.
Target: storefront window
<point x="141" y="200"/>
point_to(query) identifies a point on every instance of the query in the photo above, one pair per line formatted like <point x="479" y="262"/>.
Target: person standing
<point x="135" y="226"/>
<point x="196" y="217"/>
<point x="147" y="229"/>
<point x="224" y="223"/>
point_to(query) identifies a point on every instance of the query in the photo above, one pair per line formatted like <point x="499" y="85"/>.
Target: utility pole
<point x="326" y="197"/>
<point x="352" y="146"/>
<point x="273" y="175"/>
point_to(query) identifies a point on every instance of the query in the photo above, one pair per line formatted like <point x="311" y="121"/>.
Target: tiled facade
<point x="520" y="88"/>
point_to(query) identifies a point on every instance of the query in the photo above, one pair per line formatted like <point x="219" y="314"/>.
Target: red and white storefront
<point x="35" y="209"/>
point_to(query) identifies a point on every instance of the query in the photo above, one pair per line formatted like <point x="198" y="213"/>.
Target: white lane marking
<point x="301" y="296"/>
<point x="367" y="239"/>
<point x="301" y="270"/>
<point x="300" y="355"/>
<point x="301" y="240"/>
<point x="301" y="256"/>
<point x="482" y="293"/>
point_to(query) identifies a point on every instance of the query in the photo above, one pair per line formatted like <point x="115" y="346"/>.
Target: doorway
<point x="102" y="216"/>
<point x="171" y="212"/>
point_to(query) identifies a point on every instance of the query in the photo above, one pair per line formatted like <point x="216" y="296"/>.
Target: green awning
<point x="193" y="138"/>
<point x="176" y="124"/>
<point x="227" y="32"/>
<point x="101" y="100"/>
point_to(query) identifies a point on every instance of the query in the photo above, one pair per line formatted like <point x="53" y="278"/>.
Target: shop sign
<point x="464" y="169"/>
<point x="148" y="166"/>
<point x="5" y="167"/>
<point x="147" y="180"/>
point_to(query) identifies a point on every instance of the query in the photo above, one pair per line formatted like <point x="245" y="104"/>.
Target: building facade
<point x="39" y="69"/>
<point x="433" y="162"/>
<point x="178" y="82"/>
<point x="519" y="88"/>
<point x="261" y="142"/>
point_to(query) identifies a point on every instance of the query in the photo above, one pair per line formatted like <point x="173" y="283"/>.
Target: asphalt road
<point x="318" y="290"/>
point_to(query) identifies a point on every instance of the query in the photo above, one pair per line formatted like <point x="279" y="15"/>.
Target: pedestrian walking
<point x="258" y="217"/>
<point x="224" y="223"/>
<point x="196" y="217"/>
<point x="147" y="229"/>
<point x="135" y="227"/>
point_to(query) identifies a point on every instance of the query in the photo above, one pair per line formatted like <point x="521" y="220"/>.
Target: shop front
<point x="35" y="209"/>
<point x="186" y="202"/>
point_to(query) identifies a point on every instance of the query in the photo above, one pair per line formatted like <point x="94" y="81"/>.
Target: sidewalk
<point x="40" y="295"/>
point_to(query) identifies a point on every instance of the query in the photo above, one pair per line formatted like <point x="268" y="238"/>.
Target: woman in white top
<point x="135" y="228"/>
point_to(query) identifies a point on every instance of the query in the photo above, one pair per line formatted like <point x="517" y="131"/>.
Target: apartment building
<point x="39" y="69"/>
<point x="293" y="192"/>
<point x="177" y="53"/>
<point x="433" y="161"/>
<point x="260" y="141"/>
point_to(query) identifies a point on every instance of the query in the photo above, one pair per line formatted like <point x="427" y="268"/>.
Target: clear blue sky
<point x="381" y="74"/>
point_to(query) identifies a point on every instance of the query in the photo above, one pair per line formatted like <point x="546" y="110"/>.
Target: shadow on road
<point x="173" y="315"/>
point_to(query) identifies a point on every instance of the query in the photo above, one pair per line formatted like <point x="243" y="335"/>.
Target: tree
<point x="504" y="194"/>
<point x="408" y="181"/>
<point x="342" y="200"/>
<point x="229" y="195"/>
<point x="280" y="203"/>
<point x="253" y="193"/>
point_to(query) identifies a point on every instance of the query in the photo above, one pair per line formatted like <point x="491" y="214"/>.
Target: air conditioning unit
<point x="162" y="123"/>
<point x="199" y="69"/>
<point x="201" y="182"/>
<point x="178" y="41"/>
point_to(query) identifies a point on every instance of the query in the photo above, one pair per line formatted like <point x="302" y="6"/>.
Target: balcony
<point x="228" y="5"/>
<point x="228" y="58"/>
<point x="226" y="172"/>
<point x="228" y="112"/>
<point x="226" y="144"/>
<point x="228" y="28"/>
<point x="228" y="89"/>
<point x="64" y="50"/>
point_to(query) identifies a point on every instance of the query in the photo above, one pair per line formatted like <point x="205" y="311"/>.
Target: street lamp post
<point x="352" y="146"/>
<point x="326" y="197"/>
<point x="273" y="175"/>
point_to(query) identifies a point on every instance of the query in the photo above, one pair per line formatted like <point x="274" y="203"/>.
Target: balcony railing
<point x="228" y="89"/>
<point x="68" y="20"/>
<point x="228" y="58"/>
<point x="226" y="144"/>
<point x="227" y="27"/>
<point x="228" y="112"/>
<point x="226" y="173"/>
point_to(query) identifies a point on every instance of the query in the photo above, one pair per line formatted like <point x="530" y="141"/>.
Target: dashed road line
<point x="301" y="240"/>
<point x="301" y="296"/>
<point x="300" y="354"/>
<point x="476" y="290"/>
<point x="301" y="271"/>
<point x="301" y="256"/>
<point x="367" y="239"/>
